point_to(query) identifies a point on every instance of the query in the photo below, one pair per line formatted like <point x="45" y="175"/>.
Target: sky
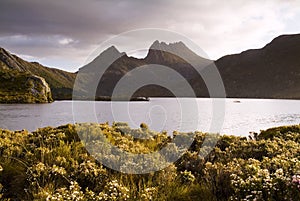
<point x="63" y="33"/>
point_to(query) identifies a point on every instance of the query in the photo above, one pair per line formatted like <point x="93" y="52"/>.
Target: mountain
<point x="18" y="72"/>
<point x="111" y="65"/>
<point x="270" y="72"/>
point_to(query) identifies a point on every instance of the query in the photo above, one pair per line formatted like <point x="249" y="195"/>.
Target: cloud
<point x="27" y="57"/>
<point x="65" y="41"/>
<point x="70" y="30"/>
<point x="36" y="41"/>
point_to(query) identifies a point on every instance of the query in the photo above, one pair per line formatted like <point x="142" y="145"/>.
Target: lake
<point x="240" y="116"/>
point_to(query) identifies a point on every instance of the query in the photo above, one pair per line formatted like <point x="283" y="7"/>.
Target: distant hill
<point x="270" y="72"/>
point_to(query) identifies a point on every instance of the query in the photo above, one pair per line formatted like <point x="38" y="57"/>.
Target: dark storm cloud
<point x="82" y="20"/>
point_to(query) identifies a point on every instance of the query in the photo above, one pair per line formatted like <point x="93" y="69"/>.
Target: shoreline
<point x="147" y="99"/>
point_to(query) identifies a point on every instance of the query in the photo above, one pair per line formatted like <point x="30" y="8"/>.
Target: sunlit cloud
<point x="65" y="41"/>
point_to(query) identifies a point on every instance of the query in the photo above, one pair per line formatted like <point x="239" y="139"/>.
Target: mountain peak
<point x="163" y="51"/>
<point x="156" y="45"/>
<point x="112" y="49"/>
<point x="103" y="59"/>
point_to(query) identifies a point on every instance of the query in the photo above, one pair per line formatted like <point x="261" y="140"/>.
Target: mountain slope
<point x="270" y="72"/>
<point x="60" y="82"/>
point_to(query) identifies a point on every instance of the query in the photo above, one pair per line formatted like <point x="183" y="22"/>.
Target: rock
<point x="40" y="89"/>
<point x="23" y="87"/>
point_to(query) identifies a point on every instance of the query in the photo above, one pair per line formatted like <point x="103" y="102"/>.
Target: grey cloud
<point x="33" y="27"/>
<point x="81" y="19"/>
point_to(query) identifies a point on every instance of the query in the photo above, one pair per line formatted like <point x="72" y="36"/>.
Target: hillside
<point x="270" y="72"/>
<point x="60" y="82"/>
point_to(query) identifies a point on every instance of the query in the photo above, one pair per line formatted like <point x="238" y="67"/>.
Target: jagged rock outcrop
<point x="39" y="89"/>
<point x="23" y="87"/>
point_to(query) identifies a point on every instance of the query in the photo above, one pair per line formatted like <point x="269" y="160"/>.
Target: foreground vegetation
<point x="53" y="164"/>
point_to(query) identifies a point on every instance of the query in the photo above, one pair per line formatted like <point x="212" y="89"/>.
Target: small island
<point x="108" y="98"/>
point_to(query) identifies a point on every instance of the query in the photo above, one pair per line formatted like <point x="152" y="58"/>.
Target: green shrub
<point x="53" y="164"/>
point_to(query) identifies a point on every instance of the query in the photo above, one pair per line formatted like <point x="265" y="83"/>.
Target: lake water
<point x="239" y="117"/>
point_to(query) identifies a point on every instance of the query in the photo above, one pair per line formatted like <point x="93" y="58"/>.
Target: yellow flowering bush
<point x="54" y="164"/>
